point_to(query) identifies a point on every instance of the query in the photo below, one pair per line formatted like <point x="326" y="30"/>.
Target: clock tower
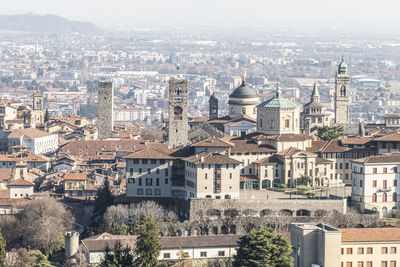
<point x="37" y="113"/>
<point x="178" y="112"/>
<point x="342" y="94"/>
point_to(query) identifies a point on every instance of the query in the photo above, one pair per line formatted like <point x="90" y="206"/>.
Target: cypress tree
<point x="148" y="244"/>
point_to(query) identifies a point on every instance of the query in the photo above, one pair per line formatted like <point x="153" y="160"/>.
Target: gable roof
<point x="20" y="182"/>
<point x="213" y="142"/>
<point x="149" y="153"/>
<point x="28" y="132"/>
<point x="383" y="158"/>
<point x="210" y="158"/>
<point x="75" y="176"/>
<point x="389" y="137"/>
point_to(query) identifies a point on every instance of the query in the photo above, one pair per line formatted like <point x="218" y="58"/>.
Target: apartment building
<point x="320" y="245"/>
<point x="375" y="181"/>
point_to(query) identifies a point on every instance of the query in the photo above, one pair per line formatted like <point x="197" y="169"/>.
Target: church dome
<point x="243" y="91"/>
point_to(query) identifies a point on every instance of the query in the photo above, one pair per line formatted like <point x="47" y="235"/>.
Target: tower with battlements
<point x="106" y="109"/>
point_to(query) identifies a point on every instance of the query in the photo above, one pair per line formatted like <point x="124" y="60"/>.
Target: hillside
<point x="31" y="22"/>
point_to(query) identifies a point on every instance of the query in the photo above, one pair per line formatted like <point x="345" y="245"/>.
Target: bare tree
<point x="42" y="224"/>
<point x="116" y="220"/>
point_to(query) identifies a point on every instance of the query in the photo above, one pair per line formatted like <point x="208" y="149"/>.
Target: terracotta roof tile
<point x="356" y="141"/>
<point x="243" y="146"/>
<point x="20" y="182"/>
<point x="210" y="158"/>
<point x="389" y="137"/>
<point x="213" y="142"/>
<point x="75" y="176"/>
<point x="370" y="234"/>
<point x="384" y="158"/>
<point x="149" y="153"/>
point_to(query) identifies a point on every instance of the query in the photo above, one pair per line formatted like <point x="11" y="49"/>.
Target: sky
<point x="342" y="13"/>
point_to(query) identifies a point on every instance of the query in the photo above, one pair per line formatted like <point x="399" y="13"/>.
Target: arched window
<point x="374" y="197"/>
<point x="394" y="197"/>
<point x="384" y="197"/>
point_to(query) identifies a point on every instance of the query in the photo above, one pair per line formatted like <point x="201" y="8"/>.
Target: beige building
<point x="243" y="101"/>
<point x="320" y="245"/>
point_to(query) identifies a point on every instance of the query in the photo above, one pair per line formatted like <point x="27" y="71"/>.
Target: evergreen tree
<point x="104" y="199"/>
<point x="2" y="250"/>
<point x="117" y="257"/>
<point x="46" y="116"/>
<point x="148" y="244"/>
<point x="330" y="133"/>
<point x="263" y="247"/>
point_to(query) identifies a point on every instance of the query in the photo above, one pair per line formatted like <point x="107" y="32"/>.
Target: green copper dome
<point x="278" y="102"/>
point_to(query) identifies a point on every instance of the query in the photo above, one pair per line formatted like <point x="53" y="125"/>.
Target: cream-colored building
<point x="20" y="188"/>
<point x="375" y="182"/>
<point x="320" y="245"/>
<point x="278" y="115"/>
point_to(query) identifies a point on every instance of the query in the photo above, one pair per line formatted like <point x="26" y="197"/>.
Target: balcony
<point x="382" y="190"/>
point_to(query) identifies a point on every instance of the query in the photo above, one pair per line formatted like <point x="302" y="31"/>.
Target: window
<point x="374" y="170"/>
<point x="395" y="170"/>
<point x="287" y="123"/>
<point x="373" y="197"/>
<point x="149" y="181"/>
<point x="384" y="184"/>
<point x="203" y="254"/>
<point x="158" y="171"/>
<point x="394" y="197"/>
<point x="157" y="181"/>
<point x="157" y="191"/>
<point x="131" y="171"/>
<point x="369" y="263"/>
<point x="140" y="170"/>
<point x="167" y="255"/>
<point x="131" y="181"/>
<point x="230" y="175"/>
<point x="374" y="183"/>
<point x="370" y="251"/>
<point x="384" y="264"/>
<point x="384" y="250"/>
<point x="384" y="170"/>
<point x="361" y="183"/>
<point x="341" y="165"/>
<point x="347" y="166"/>
<point x="360" y="251"/>
<point x="144" y="161"/>
<point x="140" y="191"/>
<point x="149" y="171"/>
<point x="149" y="191"/>
<point x="393" y="250"/>
<point x="166" y="180"/>
<point x="166" y="172"/>
<point x="384" y="197"/>
<point x="153" y="161"/>
<point x="205" y="176"/>
<point x="360" y="264"/>
<point x="162" y="161"/>
<point x="392" y="263"/>
<point x="349" y="251"/>
<point x="342" y="251"/>
<point x="140" y="181"/>
<point x="349" y="264"/>
<point x="394" y="182"/>
<point x="221" y="253"/>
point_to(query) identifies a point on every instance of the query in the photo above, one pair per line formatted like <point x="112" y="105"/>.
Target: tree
<point x="148" y="244"/>
<point x="263" y="247"/>
<point x="46" y="115"/>
<point x="330" y="133"/>
<point x="26" y="258"/>
<point x="118" y="256"/>
<point x="3" y="252"/>
<point x="104" y="199"/>
<point x="42" y="224"/>
<point x="114" y="220"/>
<point x="183" y="259"/>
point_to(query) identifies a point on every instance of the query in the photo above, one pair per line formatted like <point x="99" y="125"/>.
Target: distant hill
<point x="31" y="22"/>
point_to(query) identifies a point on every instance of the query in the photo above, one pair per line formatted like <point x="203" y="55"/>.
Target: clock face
<point x="178" y="94"/>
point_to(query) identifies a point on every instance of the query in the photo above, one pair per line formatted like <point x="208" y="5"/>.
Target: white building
<point x="375" y="182"/>
<point x="37" y="141"/>
<point x="20" y="188"/>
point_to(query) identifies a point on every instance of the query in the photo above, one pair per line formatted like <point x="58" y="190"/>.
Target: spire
<point x="244" y="78"/>
<point x="278" y="90"/>
<point x="315" y="93"/>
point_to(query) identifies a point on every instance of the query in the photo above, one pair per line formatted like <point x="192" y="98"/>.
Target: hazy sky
<point x="206" y="12"/>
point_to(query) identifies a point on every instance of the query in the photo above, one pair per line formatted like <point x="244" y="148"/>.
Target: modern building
<point x="320" y="245"/>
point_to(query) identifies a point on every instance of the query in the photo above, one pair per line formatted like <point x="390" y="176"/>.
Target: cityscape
<point x="168" y="144"/>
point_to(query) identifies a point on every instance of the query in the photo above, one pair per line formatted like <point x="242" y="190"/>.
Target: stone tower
<point x="213" y="112"/>
<point x="106" y="109"/>
<point x="314" y="113"/>
<point x="71" y="244"/>
<point x="342" y="94"/>
<point x="37" y="114"/>
<point x="178" y="112"/>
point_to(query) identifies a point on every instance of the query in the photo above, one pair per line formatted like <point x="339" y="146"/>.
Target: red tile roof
<point x="210" y="158"/>
<point x="370" y="234"/>
<point x="20" y="182"/>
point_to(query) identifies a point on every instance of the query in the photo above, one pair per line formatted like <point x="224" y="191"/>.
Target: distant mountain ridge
<point x="32" y="22"/>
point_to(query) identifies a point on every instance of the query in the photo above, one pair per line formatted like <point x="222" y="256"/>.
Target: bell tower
<point x="37" y="113"/>
<point x="178" y="112"/>
<point x="213" y="112"/>
<point x="342" y="94"/>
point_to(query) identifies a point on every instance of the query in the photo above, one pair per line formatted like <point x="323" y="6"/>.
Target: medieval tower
<point x="106" y="109"/>
<point x="213" y="112"/>
<point x="178" y="112"/>
<point x="342" y="94"/>
<point x="37" y="116"/>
